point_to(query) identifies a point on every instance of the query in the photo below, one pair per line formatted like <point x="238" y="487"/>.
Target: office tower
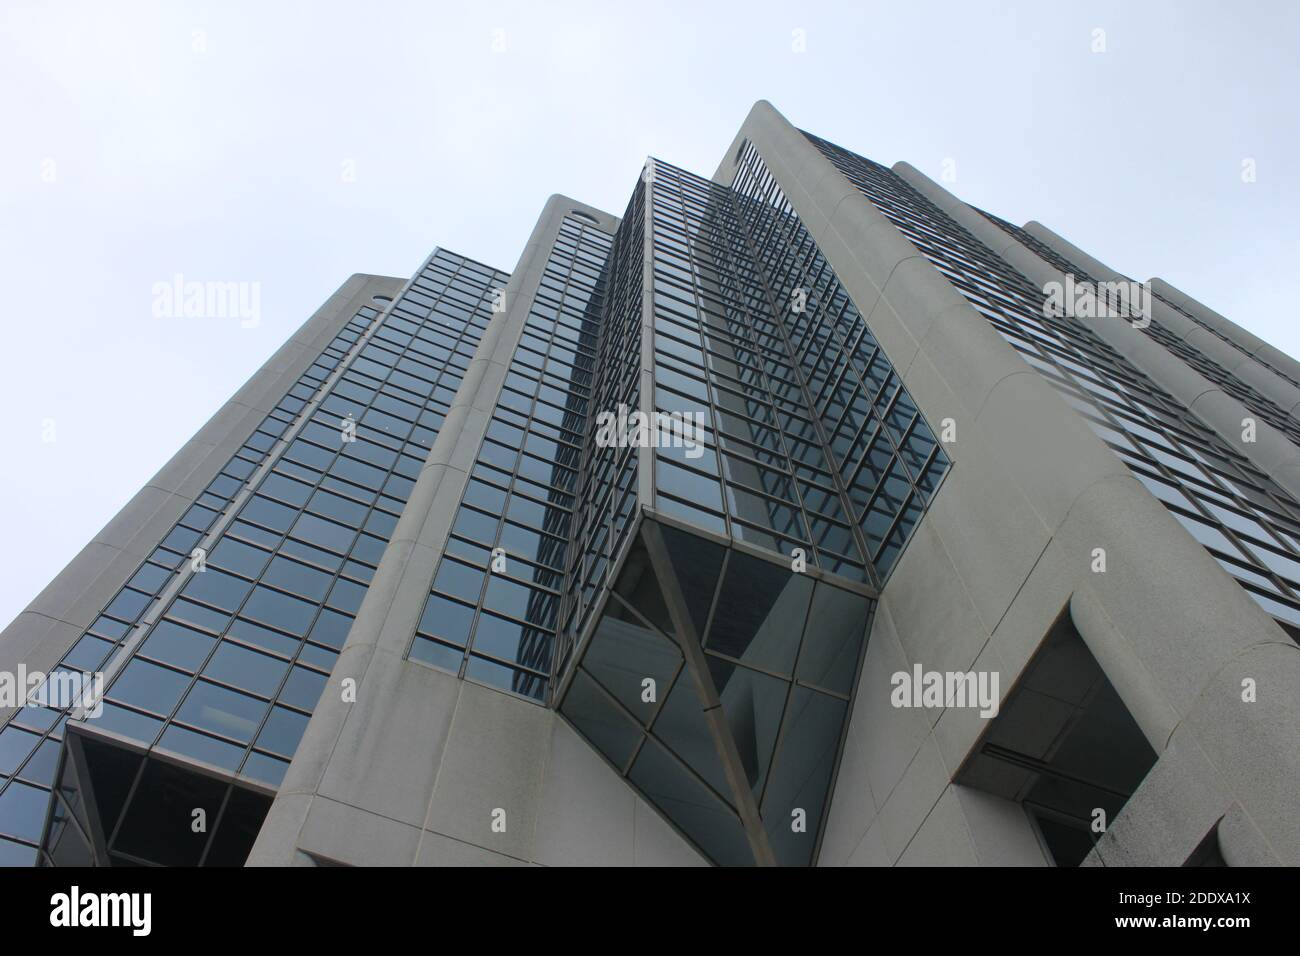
<point x="800" y="515"/>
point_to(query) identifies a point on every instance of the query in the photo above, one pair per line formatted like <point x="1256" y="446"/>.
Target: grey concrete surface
<point x="1032" y="485"/>
<point x="1273" y="360"/>
<point x="420" y="768"/>
<point x="1240" y="365"/>
<point x="422" y="762"/>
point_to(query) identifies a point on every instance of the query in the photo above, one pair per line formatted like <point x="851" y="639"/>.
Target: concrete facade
<point x="402" y="764"/>
<point x="353" y="793"/>
<point x="1268" y="448"/>
<point x="1033" y="486"/>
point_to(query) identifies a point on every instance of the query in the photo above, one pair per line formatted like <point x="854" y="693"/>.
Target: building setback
<point x="796" y="517"/>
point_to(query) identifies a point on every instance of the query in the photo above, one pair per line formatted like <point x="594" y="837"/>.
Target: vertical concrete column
<point x="1271" y="450"/>
<point x="1147" y="628"/>
<point x="1272" y="360"/>
<point x="1239" y="364"/>
<point x="1032" y="484"/>
<point x="345" y="752"/>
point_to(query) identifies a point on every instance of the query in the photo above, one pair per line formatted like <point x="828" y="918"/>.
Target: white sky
<point x="141" y="140"/>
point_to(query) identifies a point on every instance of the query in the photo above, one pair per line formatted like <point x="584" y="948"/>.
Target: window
<point x="1062" y="745"/>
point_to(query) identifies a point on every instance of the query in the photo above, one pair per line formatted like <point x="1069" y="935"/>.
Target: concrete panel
<point x="1000" y="830"/>
<point x="906" y="809"/>
<point x="142" y="511"/>
<point x="890" y="736"/>
<point x="999" y="242"/>
<point x="378" y="603"/>
<point x="942" y="630"/>
<point x="1254" y="744"/>
<point x="387" y="755"/>
<point x="172" y="476"/>
<point x="980" y="510"/>
<point x="943" y="839"/>
<point x="1248" y="341"/>
<point x="1067" y="250"/>
<point x="853" y="807"/>
<point x="63" y="595"/>
<point x="968" y="354"/>
<point x="1241" y="843"/>
<point x="1271" y="451"/>
<point x="356" y="837"/>
<point x="312" y="756"/>
<point x="1043" y="595"/>
<point x="658" y="844"/>
<point x="1032" y="432"/>
<point x="191" y="485"/>
<point x="587" y="813"/>
<point x="36" y="642"/>
<point x="438" y="850"/>
<point x="879" y="249"/>
<point x="870" y="851"/>
<point x="761" y="113"/>
<point x="958" y="729"/>
<point x="1263" y="380"/>
<point x="493" y="760"/>
<point x="896" y="336"/>
<point x="278" y="844"/>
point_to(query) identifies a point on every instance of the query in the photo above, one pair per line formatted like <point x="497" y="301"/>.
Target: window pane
<point x="218" y="589"/>
<point x="222" y="711"/>
<point x="297" y="578"/>
<point x="282" y="732"/>
<point x="245" y="669"/>
<point x="180" y="646"/>
<point x="303" y="688"/>
<point x="280" y="610"/>
<point x="149" y="686"/>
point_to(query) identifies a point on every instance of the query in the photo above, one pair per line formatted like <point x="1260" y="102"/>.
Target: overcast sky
<point x="288" y="145"/>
